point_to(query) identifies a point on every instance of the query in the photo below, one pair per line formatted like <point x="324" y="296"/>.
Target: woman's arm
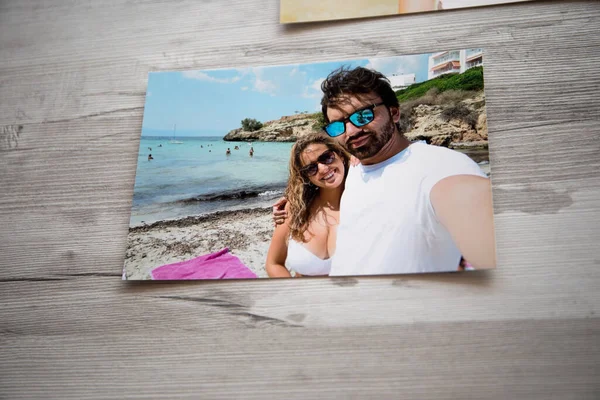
<point x="277" y="254"/>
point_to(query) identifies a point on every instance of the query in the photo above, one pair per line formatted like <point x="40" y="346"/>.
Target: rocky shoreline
<point x="456" y="125"/>
<point x="286" y="129"/>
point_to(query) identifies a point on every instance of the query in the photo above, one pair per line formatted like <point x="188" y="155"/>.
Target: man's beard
<point x="375" y="144"/>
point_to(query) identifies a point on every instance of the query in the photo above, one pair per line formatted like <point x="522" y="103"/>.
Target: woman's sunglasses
<point x="326" y="158"/>
<point x="358" y="118"/>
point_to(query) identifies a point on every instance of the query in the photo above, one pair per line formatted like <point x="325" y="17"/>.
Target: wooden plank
<point x="85" y="304"/>
<point x="484" y="360"/>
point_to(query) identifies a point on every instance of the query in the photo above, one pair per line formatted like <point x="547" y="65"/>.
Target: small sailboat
<point x="173" y="141"/>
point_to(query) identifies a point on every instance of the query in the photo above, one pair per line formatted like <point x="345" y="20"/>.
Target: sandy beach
<point x="247" y="234"/>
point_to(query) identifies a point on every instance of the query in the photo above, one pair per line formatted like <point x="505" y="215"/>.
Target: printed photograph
<point x="291" y="11"/>
<point x="374" y="166"/>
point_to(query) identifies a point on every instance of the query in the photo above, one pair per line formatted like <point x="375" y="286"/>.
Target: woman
<point x="305" y="242"/>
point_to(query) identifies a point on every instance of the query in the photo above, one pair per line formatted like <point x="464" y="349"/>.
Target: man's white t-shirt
<point x="387" y="223"/>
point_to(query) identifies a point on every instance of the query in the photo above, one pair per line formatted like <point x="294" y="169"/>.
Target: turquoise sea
<point x="196" y="177"/>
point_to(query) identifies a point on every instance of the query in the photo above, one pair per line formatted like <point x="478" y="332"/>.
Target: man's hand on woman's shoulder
<point x="279" y="212"/>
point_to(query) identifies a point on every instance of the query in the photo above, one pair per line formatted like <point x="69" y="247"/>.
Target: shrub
<point x="404" y="123"/>
<point x="471" y="79"/>
<point x="462" y="113"/>
<point x="319" y="121"/>
<point x="458" y="111"/>
<point x="251" y="125"/>
<point x="453" y="96"/>
<point x="472" y="119"/>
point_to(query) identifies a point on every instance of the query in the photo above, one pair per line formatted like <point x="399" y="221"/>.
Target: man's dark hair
<point x="358" y="82"/>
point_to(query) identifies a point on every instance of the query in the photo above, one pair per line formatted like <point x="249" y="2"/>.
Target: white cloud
<point x="395" y="65"/>
<point x="316" y="85"/>
<point x="203" y="76"/>
<point x="244" y="87"/>
<point x="294" y="71"/>
<point x="313" y="90"/>
<point x="263" y="85"/>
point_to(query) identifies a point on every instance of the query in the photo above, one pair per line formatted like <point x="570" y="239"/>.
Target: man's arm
<point x="463" y="204"/>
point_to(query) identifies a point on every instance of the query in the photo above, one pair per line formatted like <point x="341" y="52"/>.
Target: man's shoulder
<point x="436" y="163"/>
<point x="354" y="173"/>
<point x="438" y="155"/>
<point x="354" y="169"/>
<point x="424" y="148"/>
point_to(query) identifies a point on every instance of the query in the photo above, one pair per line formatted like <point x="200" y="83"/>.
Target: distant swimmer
<point x="251" y="152"/>
<point x="150" y="157"/>
<point x="201" y="147"/>
<point x="228" y="152"/>
<point x="160" y="145"/>
<point x="150" y="148"/>
<point x="236" y="148"/>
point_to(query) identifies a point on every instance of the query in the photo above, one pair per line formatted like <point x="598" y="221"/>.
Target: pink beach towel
<point x="219" y="265"/>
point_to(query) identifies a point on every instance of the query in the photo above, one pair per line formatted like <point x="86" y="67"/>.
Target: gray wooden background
<point x="72" y="85"/>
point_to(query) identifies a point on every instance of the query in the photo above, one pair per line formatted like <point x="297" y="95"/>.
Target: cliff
<point x="285" y="129"/>
<point x="455" y="120"/>
<point x="457" y="125"/>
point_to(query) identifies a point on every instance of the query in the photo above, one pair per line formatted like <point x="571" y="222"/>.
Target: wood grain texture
<point x="72" y="87"/>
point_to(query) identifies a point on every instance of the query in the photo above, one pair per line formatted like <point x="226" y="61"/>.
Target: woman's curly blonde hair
<point x="300" y="192"/>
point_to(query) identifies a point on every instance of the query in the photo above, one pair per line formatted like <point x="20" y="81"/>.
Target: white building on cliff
<point x="453" y="61"/>
<point x="402" y="81"/>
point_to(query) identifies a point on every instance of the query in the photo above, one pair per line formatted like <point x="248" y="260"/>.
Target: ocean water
<point x="196" y="177"/>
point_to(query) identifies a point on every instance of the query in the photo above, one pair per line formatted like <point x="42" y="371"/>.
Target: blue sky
<point x="213" y="102"/>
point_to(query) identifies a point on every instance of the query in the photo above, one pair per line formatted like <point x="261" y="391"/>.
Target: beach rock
<point x="476" y="145"/>
<point x="482" y="125"/>
<point x="427" y="122"/>
<point x="286" y="129"/>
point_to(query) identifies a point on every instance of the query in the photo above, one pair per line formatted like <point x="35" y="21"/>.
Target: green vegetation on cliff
<point x="319" y="121"/>
<point x="470" y="80"/>
<point x="251" y="125"/>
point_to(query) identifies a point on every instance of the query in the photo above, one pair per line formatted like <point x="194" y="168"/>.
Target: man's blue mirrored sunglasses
<point x="358" y="118"/>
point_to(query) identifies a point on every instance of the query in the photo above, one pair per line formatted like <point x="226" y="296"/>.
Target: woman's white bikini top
<point x="301" y="260"/>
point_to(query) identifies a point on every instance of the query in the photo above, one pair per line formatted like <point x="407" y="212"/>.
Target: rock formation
<point x="428" y="122"/>
<point x="286" y="129"/>
<point x="436" y="124"/>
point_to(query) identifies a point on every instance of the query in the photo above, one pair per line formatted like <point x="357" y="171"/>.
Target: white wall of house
<point x="453" y="55"/>
<point x="402" y="81"/>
